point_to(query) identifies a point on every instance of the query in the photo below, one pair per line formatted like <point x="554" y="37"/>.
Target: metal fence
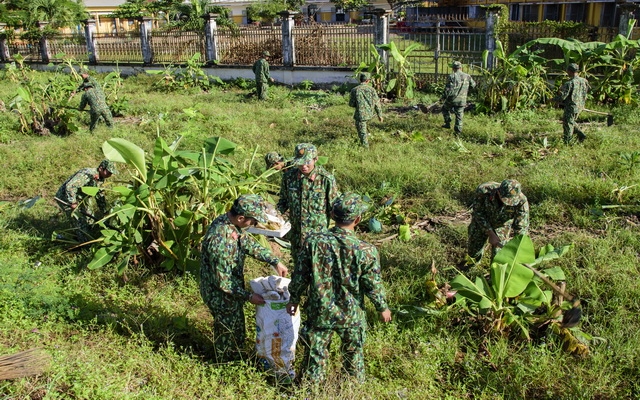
<point x="177" y="47"/>
<point x="68" y="46"/>
<point x="122" y="47"/>
<point x="245" y="45"/>
<point x="333" y="44"/>
<point x="30" y="51"/>
<point x="438" y="48"/>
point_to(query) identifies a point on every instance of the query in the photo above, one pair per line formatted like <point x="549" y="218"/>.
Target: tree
<point x="268" y="10"/>
<point x="26" y="13"/>
<point x="351" y="4"/>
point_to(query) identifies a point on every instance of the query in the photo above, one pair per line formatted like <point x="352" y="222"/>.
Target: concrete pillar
<point x="210" y="38"/>
<point x="90" y="37"/>
<point x="381" y="30"/>
<point x="4" y="44"/>
<point x="627" y="13"/>
<point x="490" y="38"/>
<point x="288" y="45"/>
<point x="145" y="40"/>
<point x="44" y="45"/>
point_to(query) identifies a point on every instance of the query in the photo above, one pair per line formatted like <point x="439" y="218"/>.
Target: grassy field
<point x="147" y="334"/>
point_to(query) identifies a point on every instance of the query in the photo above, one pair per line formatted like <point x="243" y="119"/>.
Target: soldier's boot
<point x="446" y="125"/>
<point x="581" y="136"/>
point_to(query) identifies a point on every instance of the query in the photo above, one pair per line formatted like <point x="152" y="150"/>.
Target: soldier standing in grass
<point x="97" y="106"/>
<point x="365" y="100"/>
<point x="261" y="70"/>
<point x="336" y="270"/>
<point x="224" y="248"/>
<point x="572" y="95"/>
<point x="73" y="201"/>
<point x="455" y="96"/>
<point x="307" y="192"/>
<point x="497" y="209"/>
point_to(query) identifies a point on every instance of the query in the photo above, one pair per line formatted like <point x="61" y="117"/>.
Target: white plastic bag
<point x="276" y="334"/>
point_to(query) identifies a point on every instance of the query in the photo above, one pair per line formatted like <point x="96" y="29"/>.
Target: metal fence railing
<point x="30" y="51"/>
<point x="333" y="44"/>
<point x="68" y="46"/>
<point x="177" y="47"/>
<point x="438" y="48"/>
<point x="122" y="47"/>
<point x="245" y="45"/>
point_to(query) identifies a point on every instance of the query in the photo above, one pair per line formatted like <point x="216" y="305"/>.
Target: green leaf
<point x="90" y="190"/>
<point x="102" y="257"/>
<point x="555" y="273"/>
<point x="122" y="265"/>
<point x="219" y="145"/>
<point x="121" y="150"/>
<point x="322" y="160"/>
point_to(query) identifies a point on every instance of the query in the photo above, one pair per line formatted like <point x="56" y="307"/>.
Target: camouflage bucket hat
<point x="364" y="76"/>
<point x="266" y="54"/>
<point x="304" y="152"/>
<point x="272" y="159"/>
<point x="348" y="207"/>
<point x="456" y="64"/>
<point x="250" y="206"/>
<point x="573" y="67"/>
<point x="510" y="192"/>
<point x="109" y="166"/>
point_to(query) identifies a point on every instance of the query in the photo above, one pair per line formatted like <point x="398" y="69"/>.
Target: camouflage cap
<point x="272" y="159"/>
<point x="510" y="192"/>
<point x="456" y="65"/>
<point x="109" y="166"/>
<point x="250" y="206"/>
<point x="573" y="67"/>
<point x="348" y="206"/>
<point x="364" y="76"/>
<point x="304" y="152"/>
<point x="266" y="53"/>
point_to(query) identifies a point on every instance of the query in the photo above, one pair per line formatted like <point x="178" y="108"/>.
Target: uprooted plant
<point x="160" y="216"/>
<point x="514" y="299"/>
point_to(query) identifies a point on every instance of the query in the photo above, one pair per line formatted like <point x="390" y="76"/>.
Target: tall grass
<point x="147" y="335"/>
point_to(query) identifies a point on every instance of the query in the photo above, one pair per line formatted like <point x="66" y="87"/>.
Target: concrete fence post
<point x="627" y="13"/>
<point x="90" y="37"/>
<point x="211" y="38"/>
<point x="381" y="31"/>
<point x="4" y="44"/>
<point x="145" y="40"/>
<point x="288" y="45"/>
<point x="44" y="44"/>
<point x="490" y="37"/>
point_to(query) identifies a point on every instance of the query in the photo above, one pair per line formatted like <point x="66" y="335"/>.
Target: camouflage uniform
<point x="455" y="96"/>
<point x="261" y="70"/>
<point x="499" y="207"/>
<point x="365" y="100"/>
<point x="71" y="192"/>
<point x="224" y="248"/>
<point x="336" y="270"/>
<point x="307" y="198"/>
<point x="572" y="95"/>
<point x="97" y="107"/>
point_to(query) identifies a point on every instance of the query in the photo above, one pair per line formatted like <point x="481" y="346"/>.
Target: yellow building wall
<point x="325" y="16"/>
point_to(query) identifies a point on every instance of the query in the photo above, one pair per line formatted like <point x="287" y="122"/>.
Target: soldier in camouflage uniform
<point x="365" y="100"/>
<point x="572" y="95"/>
<point x="261" y="70"/>
<point x="222" y="285"/>
<point x="97" y="106"/>
<point x="497" y="209"/>
<point x="307" y="192"/>
<point x="73" y="201"/>
<point x="455" y="96"/>
<point x="336" y="270"/>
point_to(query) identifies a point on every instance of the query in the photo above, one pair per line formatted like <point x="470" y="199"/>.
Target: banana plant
<point x="160" y="216"/>
<point x="401" y="83"/>
<point x="512" y="295"/>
